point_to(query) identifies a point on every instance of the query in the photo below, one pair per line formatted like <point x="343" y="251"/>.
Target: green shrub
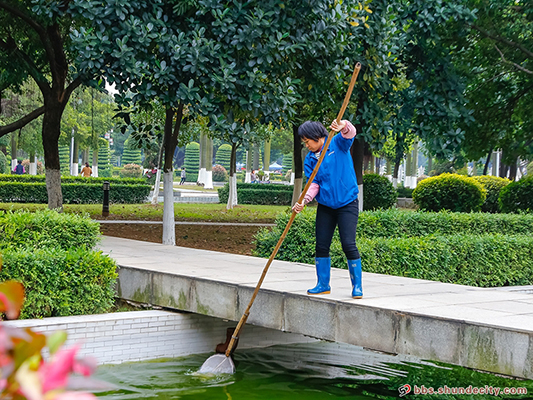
<point x="192" y="161"/>
<point x="71" y="179"/>
<point x="404" y="192"/>
<point x="286" y="163"/>
<point x="449" y="192"/>
<point x="474" y="260"/>
<point x="104" y="158"/>
<point x="47" y="229"/>
<point x="395" y="223"/>
<point x="51" y="255"/>
<point x="64" y="160"/>
<point x="4" y="165"/>
<point x="467" y="249"/>
<point x="75" y="193"/>
<point x="378" y="192"/>
<point x="223" y="156"/>
<point x="105" y="172"/>
<point x="131" y="154"/>
<point x="257" y="193"/>
<point x="493" y="185"/>
<point x="131" y="171"/>
<point x="517" y="196"/>
<point x="219" y="173"/>
<point x="61" y="282"/>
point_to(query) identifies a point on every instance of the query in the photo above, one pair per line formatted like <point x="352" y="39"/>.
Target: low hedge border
<point x="73" y="193"/>
<point x="72" y="179"/>
<point x="472" y="249"/>
<point x="395" y="223"/>
<point x="257" y="193"/>
<point x="474" y="260"/>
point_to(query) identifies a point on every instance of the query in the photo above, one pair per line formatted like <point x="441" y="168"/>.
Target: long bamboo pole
<point x="244" y="317"/>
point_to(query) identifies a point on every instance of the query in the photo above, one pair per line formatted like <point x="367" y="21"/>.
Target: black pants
<point x="346" y="219"/>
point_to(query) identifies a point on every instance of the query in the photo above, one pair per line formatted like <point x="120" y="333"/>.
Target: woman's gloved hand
<point x="298" y="206"/>
<point x="337" y="127"/>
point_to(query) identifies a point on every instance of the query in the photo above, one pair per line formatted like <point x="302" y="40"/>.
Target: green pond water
<point x="317" y="371"/>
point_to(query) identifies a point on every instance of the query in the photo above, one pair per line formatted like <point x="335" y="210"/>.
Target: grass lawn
<point x="182" y="212"/>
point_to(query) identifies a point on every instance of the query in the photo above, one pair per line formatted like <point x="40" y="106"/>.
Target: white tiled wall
<point x="143" y="335"/>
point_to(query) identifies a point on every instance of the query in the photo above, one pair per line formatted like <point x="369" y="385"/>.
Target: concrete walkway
<point x="486" y="329"/>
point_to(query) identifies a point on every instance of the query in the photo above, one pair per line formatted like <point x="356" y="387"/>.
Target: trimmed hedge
<point x="378" y="192"/>
<point x="474" y="260"/>
<point x="71" y="179"/>
<point x="449" y="192"/>
<point x="257" y="193"/>
<point x="73" y="193"/>
<point x="61" y="282"/>
<point x="493" y="185"/>
<point x="46" y="229"/>
<point x="517" y="196"/>
<point x="51" y="255"/>
<point x="449" y="247"/>
<point x="404" y="192"/>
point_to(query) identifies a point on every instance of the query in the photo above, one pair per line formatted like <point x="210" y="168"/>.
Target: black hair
<point x="312" y="130"/>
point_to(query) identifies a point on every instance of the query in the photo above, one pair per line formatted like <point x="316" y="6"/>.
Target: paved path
<point x="487" y="329"/>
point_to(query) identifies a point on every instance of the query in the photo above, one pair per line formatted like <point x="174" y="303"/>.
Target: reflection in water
<point x="303" y="371"/>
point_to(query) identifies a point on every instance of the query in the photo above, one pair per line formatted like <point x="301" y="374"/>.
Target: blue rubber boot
<point x="323" y="271"/>
<point x="354" y="266"/>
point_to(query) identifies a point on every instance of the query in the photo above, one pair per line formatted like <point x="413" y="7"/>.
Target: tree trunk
<point x="13" y="151"/>
<point x="232" y="197"/>
<point x="297" y="163"/>
<point x="414" y="167"/>
<point x="486" y="168"/>
<point x="357" y="151"/>
<point x="248" y="177"/>
<point x="201" y="170"/>
<point x="170" y="142"/>
<point x="33" y="163"/>
<point x="157" y="183"/>
<point x="266" y="160"/>
<point x="396" y="172"/>
<point x="512" y="170"/>
<point x="51" y="132"/>
<point x="169" y="226"/>
<point x="75" y="158"/>
<point x="255" y="162"/>
<point x="95" y="162"/>
<point x="495" y="167"/>
<point x="208" y="163"/>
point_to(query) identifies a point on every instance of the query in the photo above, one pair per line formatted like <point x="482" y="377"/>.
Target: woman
<point x="335" y="189"/>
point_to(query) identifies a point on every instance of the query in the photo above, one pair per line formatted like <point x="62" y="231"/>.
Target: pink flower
<point x="75" y="396"/>
<point x="55" y="373"/>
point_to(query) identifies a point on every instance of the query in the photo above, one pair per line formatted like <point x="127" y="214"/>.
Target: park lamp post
<point x="105" y="205"/>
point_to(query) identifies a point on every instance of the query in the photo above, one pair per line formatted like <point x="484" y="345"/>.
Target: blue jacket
<point x="336" y="175"/>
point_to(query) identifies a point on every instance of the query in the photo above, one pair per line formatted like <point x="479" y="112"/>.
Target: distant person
<point x="86" y="171"/>
<point x="183" y="176"/>
<point x="253" y="176"/>
<point x="19" y="168"/>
